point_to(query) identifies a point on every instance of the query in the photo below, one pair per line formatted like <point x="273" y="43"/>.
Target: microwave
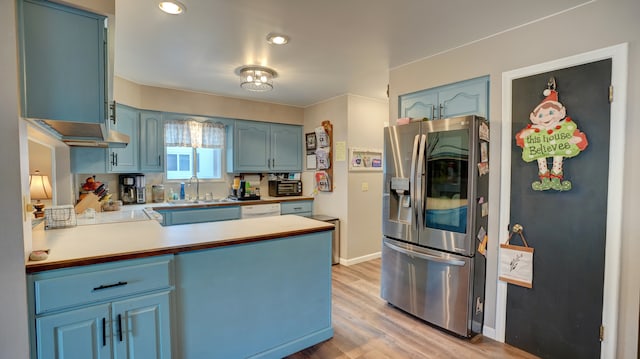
<point x="282" y="188"/>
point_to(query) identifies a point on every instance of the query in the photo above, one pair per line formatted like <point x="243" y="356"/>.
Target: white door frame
<point x="618" y="54"/>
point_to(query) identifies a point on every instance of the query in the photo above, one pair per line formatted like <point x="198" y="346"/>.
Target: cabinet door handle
<point x="159" y="159"/>
<point x="104" y="334"/>
<point x="115" y="156"/>
<point x="112" y="114"/>
<point x="441" y="110"/>
<point x="119" y="327"/>
<point x="106" y="286"/>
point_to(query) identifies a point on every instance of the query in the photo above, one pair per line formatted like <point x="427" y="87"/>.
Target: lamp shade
<point x="39" y="186"/>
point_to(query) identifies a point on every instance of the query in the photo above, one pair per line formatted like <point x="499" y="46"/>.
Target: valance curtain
<point x="191" y="133"/>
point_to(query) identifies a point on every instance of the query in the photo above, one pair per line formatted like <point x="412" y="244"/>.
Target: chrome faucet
<point x="197" y="186"/>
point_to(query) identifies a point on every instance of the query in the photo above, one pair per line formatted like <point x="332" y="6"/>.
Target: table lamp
<point x="40" y="188"/>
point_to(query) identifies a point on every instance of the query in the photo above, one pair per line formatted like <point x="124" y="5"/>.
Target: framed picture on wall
<point x="361" y="159"/>
<point x="311" y="141"/>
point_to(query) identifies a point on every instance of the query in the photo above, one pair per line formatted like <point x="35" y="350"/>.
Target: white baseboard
<point x="368" y="257"/>
<point x="489" y="332"/>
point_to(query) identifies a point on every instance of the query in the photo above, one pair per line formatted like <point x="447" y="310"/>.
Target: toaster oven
<point x="282" y="188"/>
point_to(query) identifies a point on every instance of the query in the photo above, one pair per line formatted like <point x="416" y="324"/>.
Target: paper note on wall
<point x="341" y="151"/>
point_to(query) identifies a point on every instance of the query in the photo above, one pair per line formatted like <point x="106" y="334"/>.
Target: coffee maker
<point x="132" y="188"/>
<point x="141" y="189"/>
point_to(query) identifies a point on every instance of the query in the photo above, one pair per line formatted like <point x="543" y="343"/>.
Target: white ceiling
<point x="336" y="47"/>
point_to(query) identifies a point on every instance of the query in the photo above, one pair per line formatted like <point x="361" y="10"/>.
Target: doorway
<point x="618" y="56"/>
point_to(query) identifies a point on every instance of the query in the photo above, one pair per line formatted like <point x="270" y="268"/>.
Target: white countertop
<point x="99" y="243"/>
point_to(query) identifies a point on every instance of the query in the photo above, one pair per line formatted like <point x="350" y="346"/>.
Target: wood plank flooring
<point x="366" y="327"/>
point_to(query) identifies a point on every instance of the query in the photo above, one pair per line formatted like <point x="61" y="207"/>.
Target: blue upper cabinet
<point x="251" y="142"/>
<point x="469" y="97"/>
<point x="151" y="141"/>
<point x="125" y="159"/>
<point x="422" y="104"/>
<point x="265" y="147"/>
<point x="286" y="148"/>
<point x="63" y="60"/>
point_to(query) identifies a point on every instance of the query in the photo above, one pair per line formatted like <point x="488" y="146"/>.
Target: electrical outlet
<point x="365" y="186"/>
<point x="28" y="208"/>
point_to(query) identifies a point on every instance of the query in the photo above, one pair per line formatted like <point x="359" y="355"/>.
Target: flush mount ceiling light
<point x="256" y="78"/>
<point x="277" y="39"/>
<point x="172" y="7"/>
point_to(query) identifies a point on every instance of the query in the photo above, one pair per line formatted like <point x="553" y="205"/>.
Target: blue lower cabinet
<point x="142" y="327"/>
<point x="300" y="208"/>
<point x="199" y="215"/>
<point x="264" y="299"/>
<point x="81" y="333"/>
<point x="118" y="310"/>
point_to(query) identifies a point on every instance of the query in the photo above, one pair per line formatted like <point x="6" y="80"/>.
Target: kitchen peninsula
<point x="258" y="287"/>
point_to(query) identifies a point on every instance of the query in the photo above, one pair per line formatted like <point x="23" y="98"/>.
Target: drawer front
<point x="205" y="215"/>
<point x="296" y="207"/>
<point x="100" y="283"/>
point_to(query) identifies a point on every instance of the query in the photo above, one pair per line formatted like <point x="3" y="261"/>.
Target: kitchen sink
<point x="199" y="201"/>
<point x="182" y="201"/>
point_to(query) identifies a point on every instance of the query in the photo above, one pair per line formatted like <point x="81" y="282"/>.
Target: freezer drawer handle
<point x="428" y="257"/>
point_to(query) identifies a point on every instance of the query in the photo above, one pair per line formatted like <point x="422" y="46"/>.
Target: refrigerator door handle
<point x="419" y="187"/>
<point x="412" y="177"/>
<point x="425" y="256"/>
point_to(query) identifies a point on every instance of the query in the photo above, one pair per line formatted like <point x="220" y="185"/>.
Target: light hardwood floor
<point x="365" y="326"/>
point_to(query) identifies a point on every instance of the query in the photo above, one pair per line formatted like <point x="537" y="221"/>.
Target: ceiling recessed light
<point x="277" y="39"/>
<point x="172" y="7"/>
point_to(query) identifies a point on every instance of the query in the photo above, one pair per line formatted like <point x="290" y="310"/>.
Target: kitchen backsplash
<point x="219" y="189"/>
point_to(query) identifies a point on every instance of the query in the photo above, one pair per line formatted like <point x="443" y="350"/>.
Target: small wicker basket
<point x="59" y="217"/>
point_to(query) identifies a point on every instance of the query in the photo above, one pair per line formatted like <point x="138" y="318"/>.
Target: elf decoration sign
<point x="550" y="135"/>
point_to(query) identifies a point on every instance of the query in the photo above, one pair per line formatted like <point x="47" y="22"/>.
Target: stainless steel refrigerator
<point x="433" y="221"/>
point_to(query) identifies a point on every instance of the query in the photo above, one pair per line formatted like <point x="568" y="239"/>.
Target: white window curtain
<point x="191" y="133"/>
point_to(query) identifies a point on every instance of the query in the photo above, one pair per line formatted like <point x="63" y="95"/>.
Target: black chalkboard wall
<point x="560" y="316"/>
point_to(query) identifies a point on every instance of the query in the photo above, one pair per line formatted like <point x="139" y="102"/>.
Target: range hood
<point x="83" y="134"/>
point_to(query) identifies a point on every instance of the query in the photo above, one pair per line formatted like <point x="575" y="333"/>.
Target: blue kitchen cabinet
<point x="260" y="147"/>
<point x="286" y="148"/>
<point x="142" y="328"/>
<point x="465" y="98"/>
<point x="88" y="160"/>
<point x="189" y="215"/>
<point x="300" y="208"/>
<point x="144" y="153"/>
<point x="63" y="61"/>
<point x="125" y="159"/>
<point x="80" y="333"/>
<point x="470" y="97"/>
<point x="265" y="299"/>
<point x="114" y="310"/>
<point x="151" y="142"/>
<point x="251" y="147"/>
<point x="423" y="104"/>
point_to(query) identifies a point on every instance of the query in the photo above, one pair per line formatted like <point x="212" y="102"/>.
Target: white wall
<point x="13" y="316"/>
<point x="367" y="119"/>
<point x="357" y="121"/>
<point x="596" y="25"/>
<point x="330" y="203"/>
<point x="196" y="103"/>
